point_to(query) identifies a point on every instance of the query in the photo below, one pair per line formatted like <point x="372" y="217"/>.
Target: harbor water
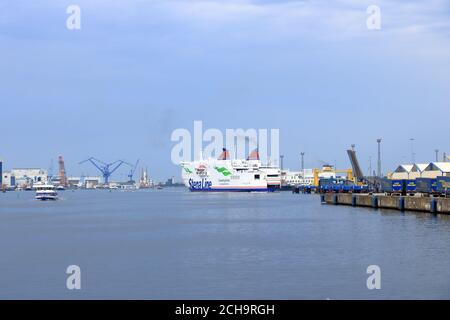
<point x="173" y="244"/>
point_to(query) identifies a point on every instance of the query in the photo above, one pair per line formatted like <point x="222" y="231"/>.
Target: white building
<point x="436" y="169"/>
<point x="74" y="182"/>
<point x="291" y="178"/>
<point x="91" y="182"/>
<point x="8" y="180"/>
<point x="294" y="178"/>
<point x="421" y="170"/>
<point x="417" y="170"/>
<point x="402" y="172"/>
<point x="29" y="176"/>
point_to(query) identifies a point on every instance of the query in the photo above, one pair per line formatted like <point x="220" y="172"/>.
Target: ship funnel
<point x="225" y="155"/>
<point x="254" y="155"/>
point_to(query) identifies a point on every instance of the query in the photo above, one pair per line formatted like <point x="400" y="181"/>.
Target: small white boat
<point x="46" y="192"/>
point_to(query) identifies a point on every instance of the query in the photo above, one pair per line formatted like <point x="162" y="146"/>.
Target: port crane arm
<point x="91" y="160"/>
<point x="119" y="163"/>
<point x="133" y="170"/>
<point x="107" y="169"/>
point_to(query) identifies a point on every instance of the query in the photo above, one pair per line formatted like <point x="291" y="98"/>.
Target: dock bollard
<point x="335" y="199"/>
<point x="401" y="204"/>
<point x="375" y="202"/>
<point x="433" y="205"/>
<point x="353" y="200"/>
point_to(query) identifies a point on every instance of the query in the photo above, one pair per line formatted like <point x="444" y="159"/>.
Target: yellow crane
<point x="329" y="169"/>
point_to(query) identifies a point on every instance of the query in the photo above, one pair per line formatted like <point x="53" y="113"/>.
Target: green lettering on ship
<point x="187" y="170"/>
<point x="223" y="171"/>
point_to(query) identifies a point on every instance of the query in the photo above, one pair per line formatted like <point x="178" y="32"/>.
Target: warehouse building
<point x="436" y="169"/>
<point x="417" y="170"/>
<point x="421" y="170"/>
<point x="402" y="172"/>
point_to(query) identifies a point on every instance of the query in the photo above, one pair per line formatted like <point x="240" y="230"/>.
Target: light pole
<point x="281" y="162"/>
<point x="379" y="158"/>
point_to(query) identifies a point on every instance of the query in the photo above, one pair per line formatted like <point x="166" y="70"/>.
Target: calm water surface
<point x="172" y="244"/>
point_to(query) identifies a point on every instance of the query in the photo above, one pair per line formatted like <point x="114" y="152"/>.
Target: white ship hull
<point x="225" y="176"/>
<point x="46" y="197"/>
<point x="46" y="192"/>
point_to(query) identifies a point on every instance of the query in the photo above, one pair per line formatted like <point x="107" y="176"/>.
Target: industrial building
<point x="310" y="177"/>
<point x="22" y="177"/>
<point x="8" y="180"/>
<point x="74" y="182"/>
<point x="26" y="177"/>
<point x="92" y="182"/>
<point x="83" y="182"/>
<point x="293" y="178"/>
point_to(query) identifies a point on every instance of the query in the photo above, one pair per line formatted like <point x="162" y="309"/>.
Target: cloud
<point x="249" y="19"/>
<point x="316" y="18"/>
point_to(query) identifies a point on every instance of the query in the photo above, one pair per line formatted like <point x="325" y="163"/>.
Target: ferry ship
<point x="226" y="175"/>
<point x="45" y="192"/>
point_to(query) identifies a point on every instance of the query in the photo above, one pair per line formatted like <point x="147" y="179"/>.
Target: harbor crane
<point x="132" y="171"/>
<point x="107" y="169"/>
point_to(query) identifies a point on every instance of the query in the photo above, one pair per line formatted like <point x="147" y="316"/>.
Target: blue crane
<point x="132" y="171"/>
<point x="107" y="169"/>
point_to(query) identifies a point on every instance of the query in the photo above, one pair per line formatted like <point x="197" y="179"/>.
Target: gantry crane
<point x="330" y="169"/>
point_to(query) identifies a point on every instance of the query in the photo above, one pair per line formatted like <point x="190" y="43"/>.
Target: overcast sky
<point x="137" y="70"/>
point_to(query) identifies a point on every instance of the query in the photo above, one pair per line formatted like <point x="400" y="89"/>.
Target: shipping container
<point x="336" y="185"/>
<point x="410" y="186"/>
<point x="392" y="186"/>
<point x="443" y="185"/>
<point x="426" y="185"/>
